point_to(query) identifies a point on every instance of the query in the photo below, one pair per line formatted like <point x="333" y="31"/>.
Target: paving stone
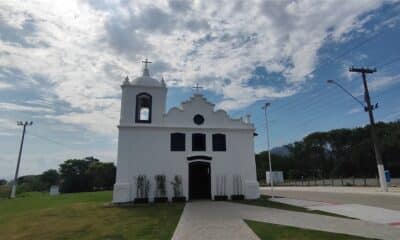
<point x="224" y="220"/>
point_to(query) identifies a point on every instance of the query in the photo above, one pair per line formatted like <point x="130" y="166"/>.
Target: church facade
<point x="191" y="151"/>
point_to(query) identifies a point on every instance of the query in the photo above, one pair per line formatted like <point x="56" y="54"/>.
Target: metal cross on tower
<point x="197" y="88"/>
<point x="146" y="62"/>
<point x="146" y="70"/>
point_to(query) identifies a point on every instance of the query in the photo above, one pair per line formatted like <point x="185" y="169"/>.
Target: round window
<point x="198" y="119"/>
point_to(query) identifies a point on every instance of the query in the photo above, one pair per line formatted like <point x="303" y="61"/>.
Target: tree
<point x="30" y="183"/>
<point x="262" y="165"/>
<point x="338" y="153"/>
<point x="102" y="175"/>
<point x="74" y="175"/>
<point x="3" y="182"/>
<point x="88" y="174"/>
<point x="50" y="177"/>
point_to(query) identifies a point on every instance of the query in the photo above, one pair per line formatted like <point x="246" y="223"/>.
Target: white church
<point x="192" y="151"/>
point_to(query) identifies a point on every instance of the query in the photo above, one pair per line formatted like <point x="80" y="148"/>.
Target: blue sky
<point x="61" y="66"/>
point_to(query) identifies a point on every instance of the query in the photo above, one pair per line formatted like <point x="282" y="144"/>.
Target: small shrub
<point x="220" y="188"/>
<point x="220" y="198"/>
<point x="237" y="197"/>
<point x="161" y="190"/>
<point x="237" y="185"/>
<point x="142" y="187"/>
<point x="177" y="186"/>
<point x="237" y="188"/>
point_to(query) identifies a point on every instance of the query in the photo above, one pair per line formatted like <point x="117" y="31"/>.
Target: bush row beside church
<point x="143" y="188"/>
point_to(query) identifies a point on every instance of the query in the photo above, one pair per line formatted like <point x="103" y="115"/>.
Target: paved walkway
<point x="362" y="212"/>
<point x="341" y="195"/>
<point x="392" y="191"/>
<point x="224" y="220"/>
<point x="211" y="220"/>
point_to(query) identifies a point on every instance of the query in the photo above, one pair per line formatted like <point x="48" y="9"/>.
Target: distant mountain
<point x="281" y="151"/>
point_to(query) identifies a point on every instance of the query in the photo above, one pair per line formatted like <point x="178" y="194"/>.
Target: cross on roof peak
<point x="146" y="62"/>
<point x="146" y="70"/>
<point x="197" y="88"/>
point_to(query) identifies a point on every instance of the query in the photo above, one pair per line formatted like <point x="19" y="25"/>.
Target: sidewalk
<point x="358" y="211"/>
<point x="212" y="220"/>
<point x="368" y="196"/>
<point x="392" y="191"/>
<point x="224" y="220"/>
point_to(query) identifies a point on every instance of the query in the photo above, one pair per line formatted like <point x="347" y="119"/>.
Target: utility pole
<point x="14" y="185"/>
<point x="369" y="108"/>
<point x="268" y="148"/>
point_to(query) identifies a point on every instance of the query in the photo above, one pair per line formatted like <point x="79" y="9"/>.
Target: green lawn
<point x="83" y="216"/>
<point x="264" y="201"/>
<point x="270" y="231"/>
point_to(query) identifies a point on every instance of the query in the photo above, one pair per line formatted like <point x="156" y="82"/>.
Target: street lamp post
<point x="14" y="184"/>
<point x="369" y="108"/>
<point x="268" y="148"/>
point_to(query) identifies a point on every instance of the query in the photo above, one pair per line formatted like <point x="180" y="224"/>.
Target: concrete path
<point x="362" y="212"/>
<point x="341" y="195"/>
<point x="392" y="191"/>
<point x="211" y="220"/>
<point x="224" y="220"/>
<point x="366" y="213"/>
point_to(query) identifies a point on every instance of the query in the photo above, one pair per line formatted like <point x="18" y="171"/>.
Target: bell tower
<point x="143" y="100"/>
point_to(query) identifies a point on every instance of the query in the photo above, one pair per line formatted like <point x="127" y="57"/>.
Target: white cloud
<point x="238" y="96"/>
<point x="377" y="82"/>
<point x="381" y="82"/>
<point x="394" y="116"/>
<point x="4" y="85"/>
<point x="102" y="121"/>
<point x="355" y="110"/>
<point x="85" y="48"/>
<point x="6" y="123"/>
<point x="4" y="106"/>
<point x="7" y="126"/>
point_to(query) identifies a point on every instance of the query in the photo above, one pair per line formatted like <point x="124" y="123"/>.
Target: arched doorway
<point x="199" y="180"/>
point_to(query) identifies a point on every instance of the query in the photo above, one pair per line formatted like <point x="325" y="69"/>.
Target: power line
<point x="315" y="102"/>
<point x="50" y="140"/>
<point x="322" y="112"/>
<point x="355" y="46"/>
<point x="394" y="60"/>
<point x="394" y="115"/>
<point x="315" y="106"/>
<point x="351" y="49"/>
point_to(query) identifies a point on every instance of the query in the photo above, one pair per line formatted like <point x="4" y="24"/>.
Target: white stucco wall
<point x="145" y="148"/>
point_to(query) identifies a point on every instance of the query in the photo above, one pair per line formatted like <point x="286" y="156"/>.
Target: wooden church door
<point x="199" y="180"/>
